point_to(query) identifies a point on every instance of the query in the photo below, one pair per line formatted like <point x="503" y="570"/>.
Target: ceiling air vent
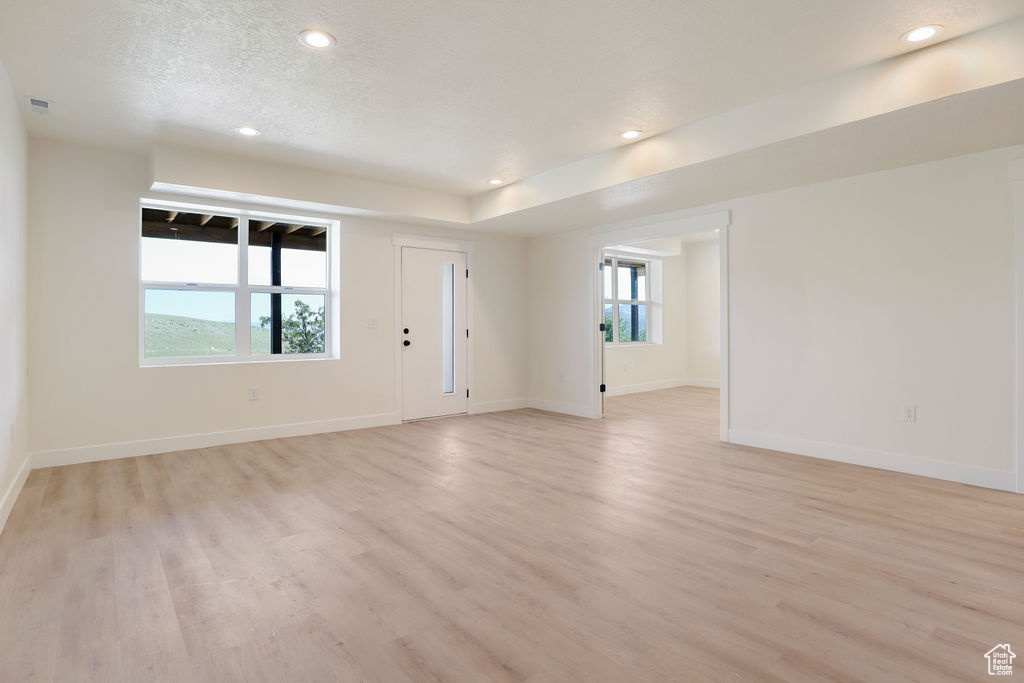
<point x="38" y="106"/>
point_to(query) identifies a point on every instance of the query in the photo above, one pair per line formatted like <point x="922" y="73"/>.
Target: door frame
<point x="651" y="229"/>
<point x="1015" y="173"/>
<point x="439" y="244"/>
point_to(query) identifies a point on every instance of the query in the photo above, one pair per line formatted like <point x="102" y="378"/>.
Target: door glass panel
<point x="448" y="326"/>
<point x="609" y="323"/>
<point x="607" y="272"/>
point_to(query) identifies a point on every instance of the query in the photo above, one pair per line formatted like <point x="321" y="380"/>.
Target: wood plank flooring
<point x="517" y="546"/>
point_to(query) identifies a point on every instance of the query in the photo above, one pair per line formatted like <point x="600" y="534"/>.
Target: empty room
<point x="513" y="341"/>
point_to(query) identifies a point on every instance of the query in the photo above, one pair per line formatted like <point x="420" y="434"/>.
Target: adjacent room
<point x="397" y="341"/>
<point x="661" y="304"/>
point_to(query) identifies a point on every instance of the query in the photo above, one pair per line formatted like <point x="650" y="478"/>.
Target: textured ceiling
<point x="442" y="95"/>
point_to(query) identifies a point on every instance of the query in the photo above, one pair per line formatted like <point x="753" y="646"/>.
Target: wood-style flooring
<point x="516" y="546"/>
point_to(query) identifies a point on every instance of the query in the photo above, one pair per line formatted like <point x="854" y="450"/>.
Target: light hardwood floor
<point x="518" y="546"/>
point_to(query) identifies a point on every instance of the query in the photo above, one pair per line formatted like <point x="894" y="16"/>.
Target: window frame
<point x="242" y="290"/>
<point x="612" y="260"/>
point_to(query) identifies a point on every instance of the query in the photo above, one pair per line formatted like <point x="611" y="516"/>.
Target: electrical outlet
<point x="254" y="394"/>
<point x="909" y="413"/>
<point x="371" y="323"/>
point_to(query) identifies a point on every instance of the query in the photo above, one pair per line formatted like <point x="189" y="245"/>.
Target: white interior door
<point x="434" y="333"/>
<point x="603" y="292"/>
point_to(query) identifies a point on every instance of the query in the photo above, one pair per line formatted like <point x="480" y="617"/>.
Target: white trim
<point x="397" y="336"/>
<point x="243" y="291"/>
<point x="563" y="408"/>
<point x="439" y="243"/>
<point x="188" y="361"/>
<point x="663" y="226"/>
<point x="723" y="350"/>
<point x="883" y="460"/>
<point x="1016" y="176"/>
<point x="497" y="406"/>
<point x="13" y="491"/>
<point x="170" y="444"/>
<point x="705" y="384"/>
<point x="646" y="386"/>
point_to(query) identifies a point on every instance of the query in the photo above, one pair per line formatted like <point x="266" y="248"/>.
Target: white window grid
<point x="612" y="262"/>
<point x="242" y="290"/>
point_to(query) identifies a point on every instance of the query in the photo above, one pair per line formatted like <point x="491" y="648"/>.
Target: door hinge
<point x="467" y="272"/>
<point x="602" y="388"/>
<point x="467" y="393"/>
<point x="600" y="266"/>
<point x="467" y="334"/>
<point x="602" y="328"/>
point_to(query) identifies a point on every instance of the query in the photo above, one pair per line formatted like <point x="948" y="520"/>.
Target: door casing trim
<point x="440" y="244"/>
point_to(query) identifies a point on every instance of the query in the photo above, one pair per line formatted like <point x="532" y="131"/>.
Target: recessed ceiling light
<point x="921" y="33"/>
<point x="249" y="131"/>
<point x="631" y="134"/>
<point x="495" y="181"/>
<point x="316" y="39"/>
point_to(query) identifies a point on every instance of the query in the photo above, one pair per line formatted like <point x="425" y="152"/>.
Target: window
<point x="627" y="300"/>
<point x="221" y="286"/>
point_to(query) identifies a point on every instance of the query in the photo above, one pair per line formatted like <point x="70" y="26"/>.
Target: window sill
<point x="189" y="362"/>
<point x="630" y="345"/>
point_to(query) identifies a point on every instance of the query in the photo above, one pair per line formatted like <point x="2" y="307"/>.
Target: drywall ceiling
<point x="438" y="95"/>
<point x="705" y="236"/>
<point x="982" y="119"/>
<point x="667" y="246"/>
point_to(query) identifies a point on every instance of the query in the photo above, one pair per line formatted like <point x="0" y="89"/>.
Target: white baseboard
<point x="11" y="494"/>
<point x="646" y="386"/>
<point x="497" y="406"/>
<point x="130" y="449"/>
<point x="897" y="462"/>
<point x="661" y="384"/>
<point x="564" y="408"/>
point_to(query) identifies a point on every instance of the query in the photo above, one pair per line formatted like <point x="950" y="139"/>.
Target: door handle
<point x="406" y="342"/>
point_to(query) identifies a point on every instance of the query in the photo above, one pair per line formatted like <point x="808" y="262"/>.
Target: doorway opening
<point x="661" y="317"/>
<point x="662" y="342"/>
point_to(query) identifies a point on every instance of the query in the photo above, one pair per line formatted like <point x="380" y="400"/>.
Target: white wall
<point x="854" y="297"/>
<point x="14" y="422"/>
<point x="87" y="386"/>
<point x="848" y="299"/>
<point x="703" y="303"/>
<point x="644" y="367"/>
